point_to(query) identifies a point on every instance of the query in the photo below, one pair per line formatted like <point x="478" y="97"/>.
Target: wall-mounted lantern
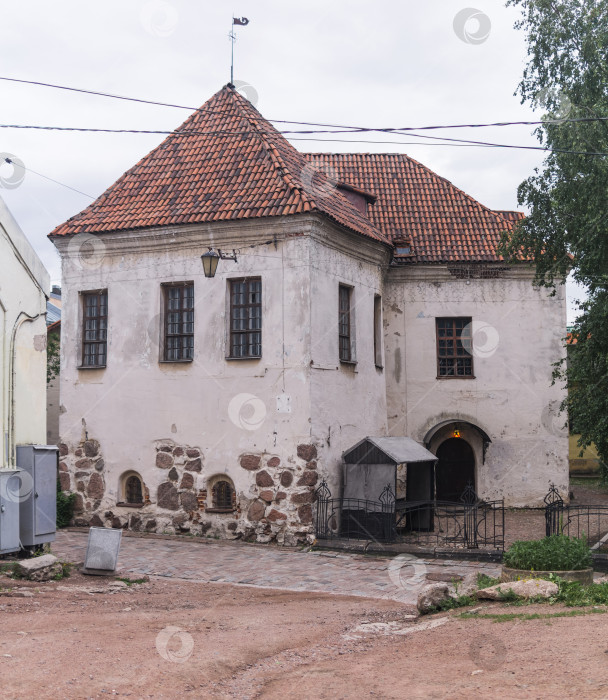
<point x="456" y="434"/>
<point x="210" y="260"/>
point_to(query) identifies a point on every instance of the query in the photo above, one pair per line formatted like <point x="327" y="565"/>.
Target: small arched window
<point x="223" y="495"/>
<point x="131" y="490"/>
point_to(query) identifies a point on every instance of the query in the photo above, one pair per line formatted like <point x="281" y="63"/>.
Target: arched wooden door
<point x="454" y="470"/>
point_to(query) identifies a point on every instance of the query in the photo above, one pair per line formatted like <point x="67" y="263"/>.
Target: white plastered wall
<point x="23" y="284"/>
<point x="518" y="335"/>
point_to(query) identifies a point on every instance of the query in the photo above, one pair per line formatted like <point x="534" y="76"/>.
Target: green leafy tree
<point x="52" y="357"/>
<point x="567" y="229"/>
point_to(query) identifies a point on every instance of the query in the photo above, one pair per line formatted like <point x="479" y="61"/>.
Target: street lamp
<point x="210" y="259"/>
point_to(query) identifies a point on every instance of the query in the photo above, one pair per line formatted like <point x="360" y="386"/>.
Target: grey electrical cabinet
<point x="9" y="510"/>
<point x="38" y="497"/>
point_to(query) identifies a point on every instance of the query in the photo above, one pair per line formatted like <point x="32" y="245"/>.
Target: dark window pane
<point x="179" y="322"/>
<point x="453" y="347"/>
<point x="94" y="329"/>
<point x="344" y="323"/>
<point x="245" y="317"/>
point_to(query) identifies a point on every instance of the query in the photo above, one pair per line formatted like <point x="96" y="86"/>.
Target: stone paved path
<point x="398" y="578"/>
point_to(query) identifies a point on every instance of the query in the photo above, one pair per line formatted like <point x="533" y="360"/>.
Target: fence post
<point x="387" y="499"/>
<point x="323" y="495"/>
<point x="554" y="507"/>
<point x="470" y="500"/>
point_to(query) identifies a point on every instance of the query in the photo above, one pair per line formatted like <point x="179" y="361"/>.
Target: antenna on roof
<point x="239" y="22"/>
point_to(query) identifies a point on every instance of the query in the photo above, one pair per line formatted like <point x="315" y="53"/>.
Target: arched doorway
<point x="454" y="470"/>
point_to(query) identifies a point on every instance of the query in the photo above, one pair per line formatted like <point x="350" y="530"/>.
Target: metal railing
<point x="469" y="523"/>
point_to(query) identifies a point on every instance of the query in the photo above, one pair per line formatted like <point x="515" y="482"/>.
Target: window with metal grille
<point x="453" y="347"/>
<point x="179" y="322"/>
<point x="133" y="490"/>
<point x="345" y="323"/>
<point x="94" y="328"/>
<point x="246" y="317"/>
<point x="223" y="495"/>
<point x="378" y="330"/>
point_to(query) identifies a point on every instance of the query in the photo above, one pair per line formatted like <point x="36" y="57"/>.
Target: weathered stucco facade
<point x="352" y="287"/>
<point x="517" y="337"/>
<point x="264" y="423"/>
<point x="23" y="285"/>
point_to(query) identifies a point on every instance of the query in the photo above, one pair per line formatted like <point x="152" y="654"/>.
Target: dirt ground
<point x="173" y="639"/>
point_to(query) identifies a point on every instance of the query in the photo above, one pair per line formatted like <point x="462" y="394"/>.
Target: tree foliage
<point x="567" y="228"/>
<point x="52" y="357"/>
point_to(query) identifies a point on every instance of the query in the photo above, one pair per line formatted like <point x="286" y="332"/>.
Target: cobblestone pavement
<point x="398" y="578"/>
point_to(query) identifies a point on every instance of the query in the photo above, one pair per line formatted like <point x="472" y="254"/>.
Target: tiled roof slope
<point x="510" y="215"/>
<point x="443" y="223"/>
<point x="227" y="163"/>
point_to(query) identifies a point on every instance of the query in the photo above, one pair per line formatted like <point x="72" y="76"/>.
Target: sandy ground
<point x="174" y="639"/>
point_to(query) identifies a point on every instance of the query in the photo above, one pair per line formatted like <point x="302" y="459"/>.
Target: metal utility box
<point x="9" y="510"/>
<point x="38" y="497"/>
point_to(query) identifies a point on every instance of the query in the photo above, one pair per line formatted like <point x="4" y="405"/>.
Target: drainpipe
<point x="11" y="456"/>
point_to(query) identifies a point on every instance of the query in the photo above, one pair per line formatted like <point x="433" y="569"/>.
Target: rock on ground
<point x="42" y="568"/>
<point x="431" y="596"/>
<point x="531" y="588"/>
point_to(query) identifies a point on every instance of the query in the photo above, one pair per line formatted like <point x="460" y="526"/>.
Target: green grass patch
<point x="131" y="581"/>
<point x="66" y="570"/>
<point x="509" y="617"/>
<point x="485" y="581"/>
<point x="554" y="553"/>
<point x="593" y="484"/>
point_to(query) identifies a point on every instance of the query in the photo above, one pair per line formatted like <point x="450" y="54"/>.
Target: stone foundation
<point x="276" y="507"/>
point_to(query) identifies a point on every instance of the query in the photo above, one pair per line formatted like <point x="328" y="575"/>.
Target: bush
<point x="65" y="507"/>
<point x="554" y="553"/>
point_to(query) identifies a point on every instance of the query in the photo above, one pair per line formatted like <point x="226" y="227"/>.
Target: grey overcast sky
<point x="381" y="64"/>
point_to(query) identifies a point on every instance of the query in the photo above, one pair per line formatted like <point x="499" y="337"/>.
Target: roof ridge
<point x="440" y="177"/>
<point x="283" y="168"/>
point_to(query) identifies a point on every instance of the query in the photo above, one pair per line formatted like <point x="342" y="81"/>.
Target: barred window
<point x="453" y="347"/>
<point x="378" y="330"/>
<point x="94" y="328"/>
<point x="345" y="323"/>
<point x="246" y="317"/>
<point x="133" y="491"/>
<point x="179" y="322"/>
<point x="222" y="495"/>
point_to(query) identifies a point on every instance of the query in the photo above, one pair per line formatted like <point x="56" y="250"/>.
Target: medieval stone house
<point x="358" y="295"/>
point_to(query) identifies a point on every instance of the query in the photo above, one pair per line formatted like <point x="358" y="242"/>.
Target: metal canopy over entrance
<point x="376" y="470"/>
<point x="389" y="492"/>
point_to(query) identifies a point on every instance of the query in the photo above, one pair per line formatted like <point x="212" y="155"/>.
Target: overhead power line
<point x="187" y="132"/>
<point x="328" y="126"/>
<point x="16" y="164"/>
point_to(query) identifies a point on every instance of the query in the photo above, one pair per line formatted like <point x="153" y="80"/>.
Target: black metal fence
<point x="478" y="525"/>
<point x="590" y="521"/>
<point x="355" y="518"/>
<point x="468" y="524"/>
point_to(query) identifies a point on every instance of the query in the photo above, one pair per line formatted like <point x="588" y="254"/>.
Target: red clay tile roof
<point x="233" y="165"/>
<point x="510" y="215"/>
<point x="443" y="223"/>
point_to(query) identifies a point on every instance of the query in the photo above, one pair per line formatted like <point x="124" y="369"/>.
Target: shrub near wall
<point x="554" y="553"/>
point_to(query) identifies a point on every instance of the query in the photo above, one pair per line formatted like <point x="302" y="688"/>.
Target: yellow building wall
<point x="588" y="462"/>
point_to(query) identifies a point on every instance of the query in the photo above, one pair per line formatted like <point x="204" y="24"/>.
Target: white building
<point x="366" y="298"/>
<point x="23" y="283"/>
